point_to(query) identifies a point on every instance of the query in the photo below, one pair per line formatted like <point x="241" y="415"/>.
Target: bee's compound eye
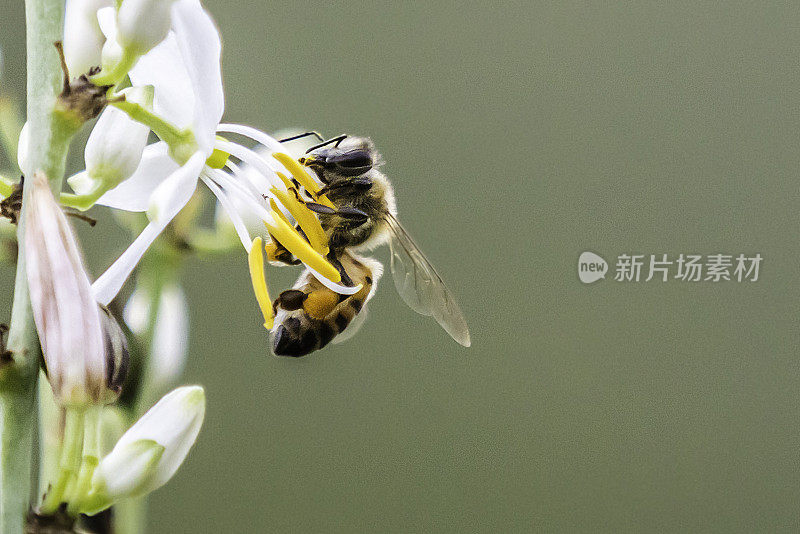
<point x="351" y="163"/>
<point x="357" y="160"/>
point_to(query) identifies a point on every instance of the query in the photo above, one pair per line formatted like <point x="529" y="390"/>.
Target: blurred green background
<point x="518" y="135"/>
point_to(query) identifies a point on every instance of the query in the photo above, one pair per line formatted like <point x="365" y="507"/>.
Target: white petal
<point x="134" y="193"/>
<point x="107" y="21"/>
<point x="170" y="338"/>
<point x="142" y="24"/>
<point x="163" y="68"/>
<point x="254" y="134"/>
<point x="114" y="148"/>
<point x="110" y="282"/>
<point x="233" y="213"/>
<point x="129" y="470"/>
<point x="171" y="195"/>
<point x="333" y="286"/>
<point x="199" y="42"/>
<point x="81" y="183"/>
<point x="83" y="39"/>
<point x="108" y="285"/>
<point x="23" y="147"/>
<point x="174" y="423"/>
<point x="137" y="311"/>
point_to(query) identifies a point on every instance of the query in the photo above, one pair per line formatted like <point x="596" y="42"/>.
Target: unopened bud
<point x="67" y="317"/>
<point x="150" y="452"/>
<point x="142" y="24"/>
<point x="117" y="355"/>
<point x="114" y="148"/>
<point x="83" y="39"/>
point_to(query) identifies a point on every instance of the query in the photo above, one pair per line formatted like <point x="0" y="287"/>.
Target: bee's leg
<point x="352" y="217"/>
<point x="360" y="184"/>
<point x="334" y="260"/>
<point x="278" y="253"/>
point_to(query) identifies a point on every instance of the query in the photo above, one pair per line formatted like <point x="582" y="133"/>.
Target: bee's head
<point x="343" y="155"/>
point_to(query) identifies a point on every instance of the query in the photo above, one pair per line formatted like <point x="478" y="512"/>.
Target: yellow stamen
<point x="302" y="176"/>
<point x="277" y="211"/>
<point x="305" y="218"/>
<point x="294" y="243"/>
<point x="255" y="260"/>
<point x="289" y="185"/>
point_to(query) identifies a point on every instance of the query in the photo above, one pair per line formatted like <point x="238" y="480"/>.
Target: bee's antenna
<point x="300" y="136"/>
<point x="337" y="140"/>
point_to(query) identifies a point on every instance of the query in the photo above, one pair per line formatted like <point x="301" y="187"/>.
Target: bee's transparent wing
<point x="420" y="285"/>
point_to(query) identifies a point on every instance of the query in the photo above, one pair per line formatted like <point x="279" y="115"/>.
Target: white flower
<point x="142" y="24"/>
<point x="71" y="329"/>
<point x="151" y="451"/>
<point x="83" y="39"/>
<point x="115" y="146"/>
<point x="170" y="331"/>
<point x="185" y="72"/>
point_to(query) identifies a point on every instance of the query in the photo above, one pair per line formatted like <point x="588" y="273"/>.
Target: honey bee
<point x="364" y="216"/>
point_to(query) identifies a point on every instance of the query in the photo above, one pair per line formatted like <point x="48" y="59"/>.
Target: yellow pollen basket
<point x="302" y="176"/>
<point x="255" y="260"/>
<point x="320" y="303"/>
<point x="294" y="243"/>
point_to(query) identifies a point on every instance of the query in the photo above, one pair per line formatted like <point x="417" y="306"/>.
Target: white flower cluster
<point x="170" y="52"/>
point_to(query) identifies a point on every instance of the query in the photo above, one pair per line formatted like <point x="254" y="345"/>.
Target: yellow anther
<point x="255" y="260"/>
<point x="294" y="243"/>
<point x="305" y="218"/>
<point x="277" y="211"/>
<point x="289" y="185"/>
<point x="302" y="176"/>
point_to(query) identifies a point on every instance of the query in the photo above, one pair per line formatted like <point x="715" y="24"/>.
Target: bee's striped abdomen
<point x="311" y="315"/>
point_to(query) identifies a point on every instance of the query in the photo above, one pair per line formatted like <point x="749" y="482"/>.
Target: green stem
<point x="18" y="409"/>
<point x="46" y="152"/>
<point x="82" y="202"/>
<point x="181" y="143"/>
<point x="91" y="457"/>
<point x="68" y="462"/>
<point x="118" y="72"/>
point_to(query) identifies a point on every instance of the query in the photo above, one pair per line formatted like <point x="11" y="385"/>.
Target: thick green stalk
<point x="48" y="142"/>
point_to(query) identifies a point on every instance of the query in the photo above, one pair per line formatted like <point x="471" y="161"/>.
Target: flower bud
<point x="142" y="24"/>
<point x="67" y="317"/>
<point x="117" y="355"/>
<point x="83" y="39"/>
<point x="150" y="452"/>
<point x="114" y="148"/>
